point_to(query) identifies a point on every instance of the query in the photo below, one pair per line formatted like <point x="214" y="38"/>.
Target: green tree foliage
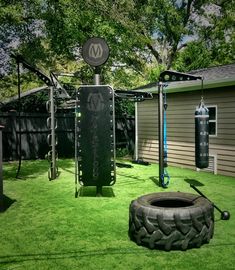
<point x="194" y="56"/>
<point x="219" y="32"/>
<point x="144" y="36"/>
<point x="215" y="43"/>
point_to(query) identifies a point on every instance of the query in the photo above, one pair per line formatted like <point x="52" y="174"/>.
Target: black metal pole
<point x="19" y="146"/>
<point x="76" y="146"/>
<point x="53" y="136"/>
<point x="1" y="177"/>
<point x="97" y="71"/>
<point x="160" y="132"/>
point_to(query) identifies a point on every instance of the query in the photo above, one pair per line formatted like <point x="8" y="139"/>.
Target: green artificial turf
<point x="46" y="227"/>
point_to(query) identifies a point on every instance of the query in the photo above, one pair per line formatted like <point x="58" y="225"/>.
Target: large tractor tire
<point x="171" y="220"/>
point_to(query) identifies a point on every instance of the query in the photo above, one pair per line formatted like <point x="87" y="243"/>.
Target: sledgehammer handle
<point x="199" y="192"/>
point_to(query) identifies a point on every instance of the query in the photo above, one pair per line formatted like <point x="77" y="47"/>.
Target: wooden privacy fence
<point x="34" y="133"/>
<point x="125" y="133"/>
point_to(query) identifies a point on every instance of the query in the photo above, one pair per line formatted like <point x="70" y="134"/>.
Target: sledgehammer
<point x="225" y="215"/>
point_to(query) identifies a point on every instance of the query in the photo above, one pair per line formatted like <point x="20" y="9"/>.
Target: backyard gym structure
<point x="94" y="112"/>
<point x="55" y="91"/>
<point x="95" y="121"/>
<point x="169" y="220"/>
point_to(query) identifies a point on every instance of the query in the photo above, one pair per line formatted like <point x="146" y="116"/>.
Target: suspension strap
<point x="165" y="173"/>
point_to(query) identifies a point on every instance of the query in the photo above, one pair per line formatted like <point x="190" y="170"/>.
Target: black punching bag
<point x="202" y="136"/>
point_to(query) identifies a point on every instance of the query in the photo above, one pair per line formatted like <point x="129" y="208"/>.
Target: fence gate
<point x="95" y="136"/>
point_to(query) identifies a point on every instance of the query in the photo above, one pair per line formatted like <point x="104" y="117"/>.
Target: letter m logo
<point x="95" y="50"/>
<point x="95" y="102"/>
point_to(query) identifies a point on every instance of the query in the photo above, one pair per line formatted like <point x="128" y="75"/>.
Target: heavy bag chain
<point x="52" y="172"/>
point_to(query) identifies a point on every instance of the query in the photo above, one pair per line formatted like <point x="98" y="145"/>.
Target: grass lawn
<point x="46" y="227"/>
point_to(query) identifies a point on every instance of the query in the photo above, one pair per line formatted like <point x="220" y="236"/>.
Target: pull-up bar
<point x="135" y="96"/>
<point x="54" y="86"/>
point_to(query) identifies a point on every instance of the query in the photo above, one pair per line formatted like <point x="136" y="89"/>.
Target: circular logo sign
<point x="95" y="51"/>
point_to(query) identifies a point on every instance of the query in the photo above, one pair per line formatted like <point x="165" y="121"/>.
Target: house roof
<point x="218" y="72"/>
<point x="213" y="77"/>
<point x="24" y="94"/>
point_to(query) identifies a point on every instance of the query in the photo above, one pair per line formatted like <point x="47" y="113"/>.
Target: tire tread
<point x="149" y="226"/>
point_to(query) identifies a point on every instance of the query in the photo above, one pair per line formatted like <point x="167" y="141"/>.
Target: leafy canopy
<point x="144" y="36"/>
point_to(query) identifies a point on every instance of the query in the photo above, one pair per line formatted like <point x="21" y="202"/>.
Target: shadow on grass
<point x="193" y="182"/>
<point x="29" y="169"/>
<point x="130" y="177"/>
<point x="92" y="192"/>
<point x="11" y="259"/>
<point x="67" y="170"/>
<point x="155" y="180"/>
<point x="66" y="165"/>
<point x="123" y="165"/>
<point x="6" y="203"/>
<point x="65" y="255"/>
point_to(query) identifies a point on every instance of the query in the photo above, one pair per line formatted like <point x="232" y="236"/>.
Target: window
<point x="212" y="165"/>
<point x="212" y="120"/>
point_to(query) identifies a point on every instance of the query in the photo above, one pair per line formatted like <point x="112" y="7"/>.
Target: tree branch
<point x="188" y="12"/>
<point x="183" y="45"/>
<point x="154" y="52"/>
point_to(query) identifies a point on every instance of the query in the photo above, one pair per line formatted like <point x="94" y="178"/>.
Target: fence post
<point x="1" y="179"/>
